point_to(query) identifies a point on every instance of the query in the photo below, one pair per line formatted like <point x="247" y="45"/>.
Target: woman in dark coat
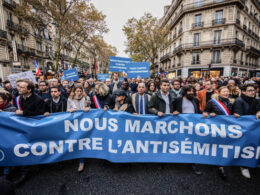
<point x="101" y="97"/>
<point x="122" y="102"/>
<point x="220" y="104"/>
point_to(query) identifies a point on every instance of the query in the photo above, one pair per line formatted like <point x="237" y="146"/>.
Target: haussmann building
<point x="216" y="36"/>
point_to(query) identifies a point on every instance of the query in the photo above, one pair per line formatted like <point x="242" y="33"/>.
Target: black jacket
<point x="32" y="106"/>
<point x="53" y="107"/>
<point x="177" y="105"/>
<point x="103" y="100"/>
<point x="246" y="106"/>
<point x="211" y="107"/>
<point x="127" y="106"/>
<point x="157" y="103"/>
<point x="111" y="86"/>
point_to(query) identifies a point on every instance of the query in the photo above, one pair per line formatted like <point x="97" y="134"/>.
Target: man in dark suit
<point x="140" y="100"/>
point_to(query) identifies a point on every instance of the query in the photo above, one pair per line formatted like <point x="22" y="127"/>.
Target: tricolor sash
<point x="96" y="102"/>
<point x="17" y="100"/>
<point x="221" y="106"/>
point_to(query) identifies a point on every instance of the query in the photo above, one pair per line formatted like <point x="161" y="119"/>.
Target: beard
<point x="189" y="96"/>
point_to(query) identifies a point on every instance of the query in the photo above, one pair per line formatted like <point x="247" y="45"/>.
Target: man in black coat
<point x="162" y="101"/>
<point x="28" y="103"/>
<point x="116" y="84"/>
<point x="247" y="104"/>
<point x="56" y="103"/>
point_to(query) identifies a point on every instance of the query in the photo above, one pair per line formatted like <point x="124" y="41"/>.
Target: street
<point x="102" y="177"/>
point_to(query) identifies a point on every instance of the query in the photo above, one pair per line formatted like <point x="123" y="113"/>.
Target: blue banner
<point x="138" y="69"/>
<point x="71" y="74"/>
<point x="123" y="137"/>
<point x="102" y="77"/>
<point x="118" y="64"/>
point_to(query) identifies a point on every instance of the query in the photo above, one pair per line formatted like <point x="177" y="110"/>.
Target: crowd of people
<point x="236" y="96"/>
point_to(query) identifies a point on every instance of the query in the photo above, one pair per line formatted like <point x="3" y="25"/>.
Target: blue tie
<point x="141" y="106"/>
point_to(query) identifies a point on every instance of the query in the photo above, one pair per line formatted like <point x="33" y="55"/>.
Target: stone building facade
<point x="211" y="37"/>
<point x="21" y="45"/>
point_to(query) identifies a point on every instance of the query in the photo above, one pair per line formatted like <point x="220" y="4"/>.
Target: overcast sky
<point x="119" y="11"/>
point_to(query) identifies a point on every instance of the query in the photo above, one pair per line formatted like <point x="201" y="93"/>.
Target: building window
<point x="196" y="39"/>
<point x="217" y="37"/>
<point x="23" y="42"/>
<point x="39" y="46"/>
<point x="197" y="21"/>
<point x="216" y="57"/>
<point x="219" y="17"/>
<point x="9" y="16"/>
<point x="195" y="58"/>
<point x="198" y="3"/>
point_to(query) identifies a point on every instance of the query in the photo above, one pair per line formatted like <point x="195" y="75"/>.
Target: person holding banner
<point x="122" y="102"/>
<point x="161" y="102"/>
<point x="101" y="99"/>
<point x="187" y="103"/>
<point x="78" y="100"/>
<point x="140" y="100"/>
<point x="247" y="104"/>
<point x="220" y="104"/>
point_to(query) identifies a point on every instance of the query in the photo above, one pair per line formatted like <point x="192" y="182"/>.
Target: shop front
<point x="172" y="75"/>
<point x="204" y="72"/>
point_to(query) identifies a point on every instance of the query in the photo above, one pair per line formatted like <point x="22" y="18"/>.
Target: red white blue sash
<point x="221" y="106"/>
<point x="17" y="100"/>
<point x="96" y="102"/>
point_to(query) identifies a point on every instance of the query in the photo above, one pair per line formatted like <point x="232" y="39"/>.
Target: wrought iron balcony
<point x="9" y="4"/>
<point x="195" y="62"/>
<point x="17" y="27"/>
<point x="198" y="25"/>
<point x="3" y="34"/>
<point x="216" y="61"/>
<point x="165" y="57"/>
<point x="252" y="49"/>
<point x="219" y="21"/>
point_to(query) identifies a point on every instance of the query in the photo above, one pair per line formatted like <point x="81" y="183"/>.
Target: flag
<point x="37" y="70"/>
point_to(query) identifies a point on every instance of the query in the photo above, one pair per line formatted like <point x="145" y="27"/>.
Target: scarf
<point x="3" y="105"/>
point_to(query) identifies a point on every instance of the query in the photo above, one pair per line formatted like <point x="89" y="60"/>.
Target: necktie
<point x="141" y="106"/>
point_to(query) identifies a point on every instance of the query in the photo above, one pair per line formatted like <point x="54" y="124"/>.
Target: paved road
<point x="102" y="177"/>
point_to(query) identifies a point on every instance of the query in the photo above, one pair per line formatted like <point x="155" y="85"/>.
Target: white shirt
<point x="187" y="106"/>
<point x="166" y="99"/>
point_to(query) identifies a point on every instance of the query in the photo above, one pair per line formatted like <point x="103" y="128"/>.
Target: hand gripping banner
<point x="122" y="137"/>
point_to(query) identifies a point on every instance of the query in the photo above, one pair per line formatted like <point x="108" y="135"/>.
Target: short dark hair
<point x="55" y="88"/>
<point x="4" y="96"/>
<point x="44" y="82"/>
<point x="6" y="81"/>
<point x="187" y="88"/>
<point x="164" y="81"/>
<point x="30" y="85"/>
<point x="176" y="80"/>
<point x="244" y="87"/>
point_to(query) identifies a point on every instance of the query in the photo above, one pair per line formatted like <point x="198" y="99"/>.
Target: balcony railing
<point x="253" y="50"/>
<point x="195" y="62"/>
<point x="216" y="61"/>
<point x="219" y="21"/>
<point x="3" y="34"/>
<point x="192" y="6"/>
<point x="9" y="4"/>
<point x="198" y="25"/>
<point x="17" y="27"/>
<point x="209" y="44"/>
<point x="165" y="57"/>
